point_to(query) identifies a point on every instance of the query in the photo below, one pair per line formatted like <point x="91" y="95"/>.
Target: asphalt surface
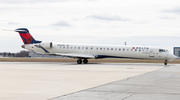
<point x="95" y="81"/>
<point x="162" y="84"/>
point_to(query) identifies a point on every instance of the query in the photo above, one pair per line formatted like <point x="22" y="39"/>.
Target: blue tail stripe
<point x="34" y="41"/>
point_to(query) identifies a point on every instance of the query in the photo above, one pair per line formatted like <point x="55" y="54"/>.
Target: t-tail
<point x="26" y="36"/>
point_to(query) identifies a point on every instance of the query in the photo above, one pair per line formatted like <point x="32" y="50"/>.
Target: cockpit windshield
<point x="163" y="50"/>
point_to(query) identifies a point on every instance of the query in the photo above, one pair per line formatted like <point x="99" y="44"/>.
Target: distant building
<point x="1" y="55"/>
<point x="37" y="55"/>
<point x="177" y="51"/>
<point x="6" y="54"/>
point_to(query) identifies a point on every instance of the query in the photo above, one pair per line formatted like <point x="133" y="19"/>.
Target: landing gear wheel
<point x="79" y="61"/>
<point x="85" y="61"/>
<point x="165" y="63"/>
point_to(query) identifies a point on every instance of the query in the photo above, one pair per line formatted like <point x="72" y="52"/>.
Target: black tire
<point x="79" y="61"/>
<point x="85" y="61"/>
<point x="165" y="63"/>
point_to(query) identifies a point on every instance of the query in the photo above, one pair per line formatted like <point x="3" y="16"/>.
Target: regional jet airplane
<point x="83" y="52"/>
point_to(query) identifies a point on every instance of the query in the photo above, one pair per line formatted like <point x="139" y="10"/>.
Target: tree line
<point x="22" y="53"/>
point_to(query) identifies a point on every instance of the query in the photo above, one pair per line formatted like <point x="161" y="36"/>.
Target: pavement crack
<point x="128" y="96"/>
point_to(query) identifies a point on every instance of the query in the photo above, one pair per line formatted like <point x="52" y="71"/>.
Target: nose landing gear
<point x="165" y="62"/>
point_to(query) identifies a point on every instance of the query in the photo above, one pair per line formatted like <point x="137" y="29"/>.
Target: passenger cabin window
<point x="86" y="47"/>
<point x="127" y="49"/>
<point x="71" y="47"/>
<point x="67" y="47"/>
<point x="111" y="48"/>
<point x="91" y="48"/>
<point x="74" y="47"/>
<point x="78" y="47"/>
<point x="123" y="49"/>
<point x="119" y="49"/>
<point x="107" y="48"/>
<point x="96" y="48"/>
<point x="64" y="47"/>
<point x="115" y="48"/>
<point x="82" y="47"/>
<point x="100" y="48"/>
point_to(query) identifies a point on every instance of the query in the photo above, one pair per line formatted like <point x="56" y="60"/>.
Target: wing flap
<point x="76" y="55"/>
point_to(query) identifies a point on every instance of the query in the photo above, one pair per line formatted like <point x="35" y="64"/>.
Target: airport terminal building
<point x="177" y="51"/>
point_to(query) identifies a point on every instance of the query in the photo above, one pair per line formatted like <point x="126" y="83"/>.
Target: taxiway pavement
<point x="70" y="81"/>
<point x="162" y="84"/>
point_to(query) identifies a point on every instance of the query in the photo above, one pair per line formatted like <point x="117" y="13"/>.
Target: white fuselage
<point x="105" y="51"/>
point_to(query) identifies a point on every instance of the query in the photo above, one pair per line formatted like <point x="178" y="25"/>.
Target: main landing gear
<point x="165" y="62"/>
<point x="79" y="61"/>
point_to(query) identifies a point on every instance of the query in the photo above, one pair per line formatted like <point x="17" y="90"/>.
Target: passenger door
<point x="151" y="54"/>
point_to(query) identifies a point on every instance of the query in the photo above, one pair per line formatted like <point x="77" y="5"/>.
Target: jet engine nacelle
<point x="46" y="45"/>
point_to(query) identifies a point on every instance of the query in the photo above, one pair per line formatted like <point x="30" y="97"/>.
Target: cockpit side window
<point x="162" y="50"/>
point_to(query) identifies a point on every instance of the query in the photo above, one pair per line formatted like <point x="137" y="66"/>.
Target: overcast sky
<point x="138" y="22"/>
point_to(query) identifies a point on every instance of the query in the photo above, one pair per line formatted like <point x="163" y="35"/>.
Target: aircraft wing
<point x="76" y="55"/>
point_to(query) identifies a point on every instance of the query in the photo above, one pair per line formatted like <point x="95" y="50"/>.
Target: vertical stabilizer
<point x="26" y="36"/>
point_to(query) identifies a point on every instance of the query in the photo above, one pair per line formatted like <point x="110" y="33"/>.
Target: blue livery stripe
<point x="45" y="50"/>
